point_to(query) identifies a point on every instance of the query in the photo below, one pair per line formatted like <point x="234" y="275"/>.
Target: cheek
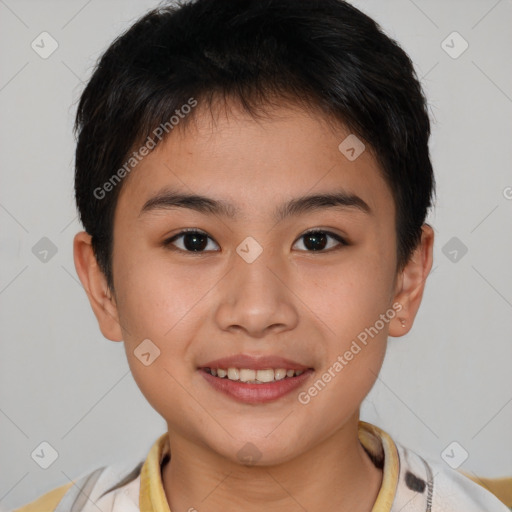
<point x="153" y="296"/>
<point x="156" y="311"/>
<point x="351" y="296"/>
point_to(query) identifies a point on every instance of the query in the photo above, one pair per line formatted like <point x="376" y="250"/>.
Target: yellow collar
<point x="377" y="442"/>
<point x="380" y="445"/>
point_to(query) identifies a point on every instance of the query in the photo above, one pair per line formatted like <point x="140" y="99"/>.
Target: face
<point x="271" y="287"/>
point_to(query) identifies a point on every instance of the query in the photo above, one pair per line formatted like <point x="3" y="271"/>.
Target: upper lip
<point x="254" y="363"/>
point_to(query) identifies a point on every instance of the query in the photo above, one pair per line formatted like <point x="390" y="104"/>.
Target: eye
<point x="316" y="240"/>
<point x="196" y="241"/>
<point x="193" y="240"/>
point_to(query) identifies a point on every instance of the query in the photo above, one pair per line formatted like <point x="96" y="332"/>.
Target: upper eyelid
<point x="197" y="230"/>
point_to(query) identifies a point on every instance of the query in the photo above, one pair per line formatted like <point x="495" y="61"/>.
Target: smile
<point x="253" y="376"/>
<point x="255" y="386"/>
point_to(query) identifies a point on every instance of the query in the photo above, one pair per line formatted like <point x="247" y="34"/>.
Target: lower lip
<point x="256" y="393"/>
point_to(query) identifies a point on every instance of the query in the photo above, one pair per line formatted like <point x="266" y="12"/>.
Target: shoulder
<point x="47" y="502"/>
<point x="105" y="487"/>
<point x="426" y="484"/>
<point x="454" y="489"/>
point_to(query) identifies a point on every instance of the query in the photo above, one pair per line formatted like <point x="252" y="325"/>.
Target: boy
<point x="290" y="138"/>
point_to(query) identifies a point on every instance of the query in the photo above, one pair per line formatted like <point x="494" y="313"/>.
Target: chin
<point x="257" y="450"/>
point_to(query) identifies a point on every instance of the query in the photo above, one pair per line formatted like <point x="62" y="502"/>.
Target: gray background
<point x="61" y="382"/>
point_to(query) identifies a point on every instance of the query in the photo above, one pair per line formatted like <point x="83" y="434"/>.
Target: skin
<point x="291" y="301"/>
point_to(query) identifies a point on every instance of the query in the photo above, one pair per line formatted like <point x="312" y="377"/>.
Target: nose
<point x="257" y="297"/>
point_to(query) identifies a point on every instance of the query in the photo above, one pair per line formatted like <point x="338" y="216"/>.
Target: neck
<point x="336" y="474"/>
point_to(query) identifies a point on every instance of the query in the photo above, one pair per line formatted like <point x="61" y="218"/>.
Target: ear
<point x="95" y="285"/>
<point x="411" y="283"/>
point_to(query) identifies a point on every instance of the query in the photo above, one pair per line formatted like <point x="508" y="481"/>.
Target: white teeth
<point x="254" y="376"/>
<point x="233" y="374"/>
<point x="265" y="375"/>
<point x="247" y="375"/>
<point x="279" y="374"/>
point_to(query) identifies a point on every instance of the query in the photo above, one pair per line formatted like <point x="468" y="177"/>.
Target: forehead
<point x="250" y="164"/>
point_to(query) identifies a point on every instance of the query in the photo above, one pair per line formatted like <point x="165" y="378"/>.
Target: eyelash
<point x="169" y="242"/>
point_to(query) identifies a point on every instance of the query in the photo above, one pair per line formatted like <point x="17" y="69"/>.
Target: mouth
<point x="255" y="379"/>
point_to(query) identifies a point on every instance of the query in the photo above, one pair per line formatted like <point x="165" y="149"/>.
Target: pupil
<point x="316" y="237"/>
<point x="194" y="245"/>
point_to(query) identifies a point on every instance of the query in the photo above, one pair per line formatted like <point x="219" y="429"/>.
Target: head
<point x="253" y="106"/>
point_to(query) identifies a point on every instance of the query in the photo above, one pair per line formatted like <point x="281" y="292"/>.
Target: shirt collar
<point x="385" y="454"/>
<point x="152" y="495"/>
<point x="376" y="442"/>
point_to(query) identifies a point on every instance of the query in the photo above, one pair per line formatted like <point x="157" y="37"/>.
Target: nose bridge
<point x="257" y="273"/>
<point x="254" y="296"/>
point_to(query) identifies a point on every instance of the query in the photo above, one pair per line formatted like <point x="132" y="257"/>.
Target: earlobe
<point x="95" y="285"/>
<point x="411" y="283"/>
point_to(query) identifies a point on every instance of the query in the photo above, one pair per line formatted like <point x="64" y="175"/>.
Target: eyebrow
<point x="170" y="199"/>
